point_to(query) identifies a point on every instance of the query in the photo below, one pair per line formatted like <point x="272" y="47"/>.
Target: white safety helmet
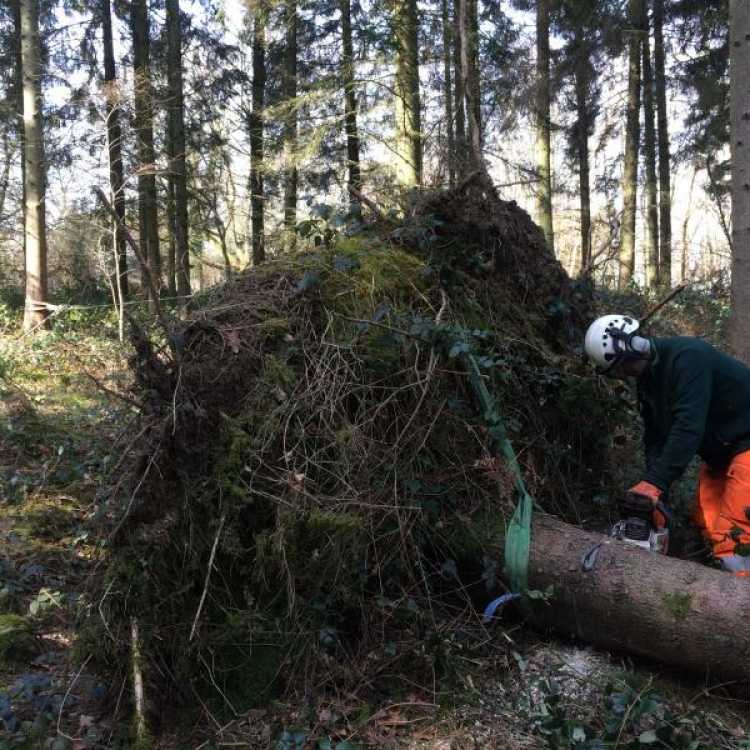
<point x="608" y="340"/>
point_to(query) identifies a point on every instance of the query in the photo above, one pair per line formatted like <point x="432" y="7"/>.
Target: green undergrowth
<point x="58" y="429"/>
<point x="631" y="709"/>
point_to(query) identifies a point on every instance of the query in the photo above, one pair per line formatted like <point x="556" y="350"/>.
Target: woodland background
<point x="286" y="202"/>
<point x="218" y="129"/>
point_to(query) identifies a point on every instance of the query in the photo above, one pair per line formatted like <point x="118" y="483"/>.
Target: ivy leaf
<point x="323" y="210"/>
<point x="309" y="280"/>
<point x="449" y="570"/>
<point x="578" y="734"/>
<point x="460" y="347"/>
<point x="343" y="263"/>
<point x="381" y="311"/>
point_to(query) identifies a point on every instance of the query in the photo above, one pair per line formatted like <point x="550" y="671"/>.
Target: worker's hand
<point x="644" y="497"/>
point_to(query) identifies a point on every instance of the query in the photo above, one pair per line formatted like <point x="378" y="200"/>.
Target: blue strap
<point x="495" y="604"/>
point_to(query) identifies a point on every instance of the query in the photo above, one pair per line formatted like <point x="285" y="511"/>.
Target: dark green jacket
<point x="693" y="399"/>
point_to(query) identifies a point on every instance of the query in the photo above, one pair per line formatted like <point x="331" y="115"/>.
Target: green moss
<point x="275" y="326"/>
<point x="43" y="519"/>
<point x="261" y="418"/>
<point x="17" y="642"/>
<point x="248" y="658"/>
<point x="322" y="549"/>
<point x="678" y="604"/>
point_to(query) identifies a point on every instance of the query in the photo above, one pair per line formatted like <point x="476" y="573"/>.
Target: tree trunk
<point x="543" y="148"/>
<point x="148" y="219"/>
<point x="408" y="142"/>
<point x="740" y="143"/>
<point x="9" y="150"/>
<point x="640" y="602"/>
<point x="448" y="93"/>
<point x="257" y="197"/>
<point x="350" y="107"/>
<point x="171" y="275"/>
<point x="467" y="10"/>
<point x="685" y="226"/>
<point x="113" y="98"/>
<point x="649" y="154"/>
<point x="177" y="144"/>
<point x="17" y="99"/>
<point x="290" y="122"/>
<point x="665" y="194"/>
<point x="35" y="230"/>
<point x="582" y="144"/>
<point x="632" y="140"/>
<point x="459" y="94"/>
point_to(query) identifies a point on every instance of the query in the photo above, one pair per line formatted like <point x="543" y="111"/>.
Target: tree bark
<point x="582" y="145"/>
<point x="257" y="197"/>
<point x="467" y="10"/>
<point x="632" y="140"/>
<point x="407" y="105"/>
<point x="673" y="611"/>
<point x="685" y="227"/>
<point x="543" y="136"/>
<point x="290" y="122"/>
<point x="350" y="107"/>
<point x="178" y="148"/>
<point x="649" y="154"/>
<point x="35" y="229"/>
<point x="113" y="98"/>
<point x="9" y="150"/>
<point x="740" y="150"/>
<point x="148" y="218"/>
<point x="459" y="92"/>
<point x="171" y="274"/>
<point x="448" y="93"/>
<point x="665" y="194"/>
<point x="473" y="89"/>
<point x="17" y="99"/>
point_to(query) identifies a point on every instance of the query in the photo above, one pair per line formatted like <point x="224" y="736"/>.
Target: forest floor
<point x="57" y="429"/>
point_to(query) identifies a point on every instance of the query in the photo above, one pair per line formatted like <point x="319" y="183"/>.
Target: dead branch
<point x="144" y="267"/>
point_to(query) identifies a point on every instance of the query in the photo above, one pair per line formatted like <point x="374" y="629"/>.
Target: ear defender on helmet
<point x="609" y="340"/>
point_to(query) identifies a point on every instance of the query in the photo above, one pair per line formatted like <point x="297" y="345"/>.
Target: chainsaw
<point x="637" y="526"/>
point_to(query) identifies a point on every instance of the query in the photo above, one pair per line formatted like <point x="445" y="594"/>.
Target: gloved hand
<point x="644" y="497"/>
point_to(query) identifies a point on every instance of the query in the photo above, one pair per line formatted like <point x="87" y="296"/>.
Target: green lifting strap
<point x="518" y="533"/>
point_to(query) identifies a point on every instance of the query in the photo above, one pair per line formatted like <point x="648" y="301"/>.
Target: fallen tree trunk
<point x="640" y="602"/>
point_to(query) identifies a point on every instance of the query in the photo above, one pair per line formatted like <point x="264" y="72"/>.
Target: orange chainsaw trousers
<point x="722" y="510"/>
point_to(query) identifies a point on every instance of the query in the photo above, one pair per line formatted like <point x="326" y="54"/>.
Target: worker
<point x="694" y="400"/>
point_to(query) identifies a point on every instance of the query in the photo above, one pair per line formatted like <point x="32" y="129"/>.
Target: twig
<point x="101" y="611"/>
<point x="661" y="304"/>
<point x="218" y="689"/>
<point x="379" y="325"/>
<point x="428" y="376"/>
<point x="134" y="493"/>
<point x="208" y="576"/>
<point x="125" y="454"/>
<point x="139" y="696"/>
<point x="144" y="267"/>
<point x="110" y="392"/>
<point x="65" y="697"/>
<point x="362" y="198"/>
<point x="117" y="706"/>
